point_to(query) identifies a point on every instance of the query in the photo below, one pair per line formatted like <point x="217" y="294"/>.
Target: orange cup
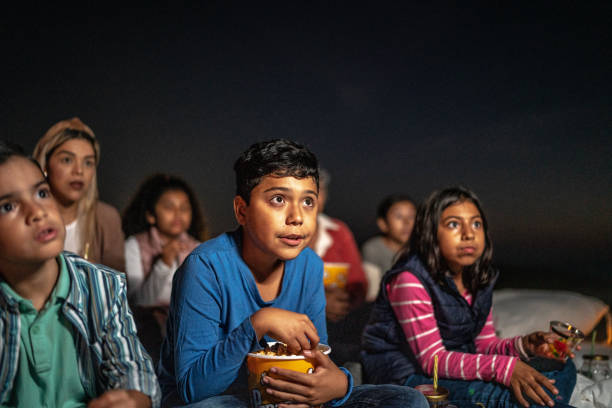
<point x="259" y="366"/>
<point x="335" y="274"/>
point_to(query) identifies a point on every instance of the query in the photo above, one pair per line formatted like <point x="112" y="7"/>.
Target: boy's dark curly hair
<point x="277" y="157"/>
<point x="134" y="217"/>
<point x="424" y="239"/>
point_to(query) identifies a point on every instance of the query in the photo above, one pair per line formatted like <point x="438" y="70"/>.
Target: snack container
<point x="596" y="367"/>
<point x="437" y="398"/>
<point x="335" y="274"/>
<point x="568" y="337"/>
<point x="259" y="366"/>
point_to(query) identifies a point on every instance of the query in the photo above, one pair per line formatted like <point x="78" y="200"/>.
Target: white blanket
<point x="589" y="394"/>
<point x="522" y="311"/>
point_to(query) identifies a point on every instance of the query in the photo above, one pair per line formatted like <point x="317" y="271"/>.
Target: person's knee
<point x="408" y="396"/>
<point x="221" y="401"/>
<point x="570" y="366"/>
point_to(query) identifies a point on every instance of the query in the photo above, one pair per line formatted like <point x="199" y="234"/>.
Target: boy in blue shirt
<point x="67" y="335"/>
<point x="260" y="282"/>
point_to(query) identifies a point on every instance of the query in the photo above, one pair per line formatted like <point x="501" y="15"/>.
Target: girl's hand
<point x="537" y="344"/>
<point x="121" y="398"/>
<point x="170" y="251"/>
<point x="527" y="381"/>
<point x="326" y="383"/>
<point x="294" y="329"/>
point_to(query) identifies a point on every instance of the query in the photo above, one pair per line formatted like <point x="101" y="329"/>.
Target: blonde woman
<point x="69" y="154"/>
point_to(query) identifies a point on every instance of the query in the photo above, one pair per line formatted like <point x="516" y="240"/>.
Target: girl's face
<point x="70" y="170"/>
<point x="31" y="228"/>
<point x="461" y="235"/>
<point x="399" y="222"/>
<point x="172" y="214"/>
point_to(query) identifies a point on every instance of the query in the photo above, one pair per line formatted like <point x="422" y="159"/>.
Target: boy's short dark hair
<point x="278" y="157"/>
<point x="386" y="204"/>
<point x="9" y="149"/>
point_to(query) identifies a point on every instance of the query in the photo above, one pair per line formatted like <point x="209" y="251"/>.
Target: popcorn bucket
<point x="595" y="366"/>
<point x="335" y="274"/>
<point x="259" y="366"/>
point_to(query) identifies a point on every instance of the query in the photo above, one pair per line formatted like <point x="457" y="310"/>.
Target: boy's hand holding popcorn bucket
<point x="259" y="364"/>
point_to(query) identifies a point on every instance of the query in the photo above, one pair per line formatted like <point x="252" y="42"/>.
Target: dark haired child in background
<point x="69" y="153"/>
<point x="437" y="301"/>
<point x="68" y="338"/>
<point x="163" y="223"/>
<point x="260" y="283"/>
<point x="395" y="220"/>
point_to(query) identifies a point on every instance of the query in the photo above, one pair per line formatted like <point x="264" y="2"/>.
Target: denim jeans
<point x="467" y="394"/>
<point x="363" y="396"/>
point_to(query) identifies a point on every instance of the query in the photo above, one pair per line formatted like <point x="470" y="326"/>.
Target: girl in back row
<point x="164" y="224"/>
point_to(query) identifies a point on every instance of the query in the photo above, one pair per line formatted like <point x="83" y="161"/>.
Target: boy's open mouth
<point x="46" y="234"/>
<point x="292" y="240"/>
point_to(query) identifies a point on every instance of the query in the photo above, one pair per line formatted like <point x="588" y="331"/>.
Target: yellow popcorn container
<point x="335" y="274"/>
<point x="259" y="366"/>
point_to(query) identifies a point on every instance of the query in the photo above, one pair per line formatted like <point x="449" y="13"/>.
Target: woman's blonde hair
<point x="57" y="135"/>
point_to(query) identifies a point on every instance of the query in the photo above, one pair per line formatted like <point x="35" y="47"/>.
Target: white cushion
<point x="522" y="311"/>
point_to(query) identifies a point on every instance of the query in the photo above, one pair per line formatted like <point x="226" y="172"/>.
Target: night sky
<point x="513" y="101"/>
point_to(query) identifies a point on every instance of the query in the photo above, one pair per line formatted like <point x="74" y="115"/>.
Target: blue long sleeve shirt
<point x="209" y="331"/>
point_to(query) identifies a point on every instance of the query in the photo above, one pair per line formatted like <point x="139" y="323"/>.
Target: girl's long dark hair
<point x="424" y="239"/>
<point x="134" y="219"/>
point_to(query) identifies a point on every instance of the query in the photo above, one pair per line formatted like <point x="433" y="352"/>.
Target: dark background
<point x="512" y="100"/>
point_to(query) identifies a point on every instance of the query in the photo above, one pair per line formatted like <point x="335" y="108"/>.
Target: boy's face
<point x="399" y="221"/>
<point x="281" y="217"/>
<point x="31" y="228"/>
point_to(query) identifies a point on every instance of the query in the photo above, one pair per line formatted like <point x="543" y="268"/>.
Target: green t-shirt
<point x="47" y="372"/>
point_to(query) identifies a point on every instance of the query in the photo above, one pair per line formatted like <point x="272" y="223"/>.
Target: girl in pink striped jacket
<point x="437" y="301"/>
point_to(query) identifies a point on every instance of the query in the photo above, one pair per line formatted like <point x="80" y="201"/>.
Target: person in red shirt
<point x="334" y="242"/>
